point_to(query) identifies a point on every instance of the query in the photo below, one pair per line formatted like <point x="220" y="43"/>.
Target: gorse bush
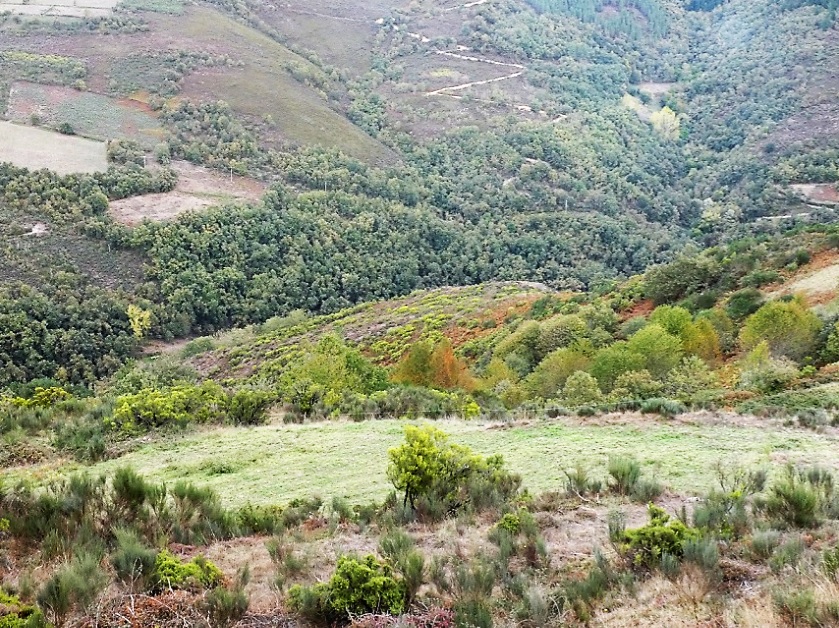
<point x="625" y="473"/>
<point x="447" y="476"/>
<point x="181" y="405"/>
<point x="172" y="573"/>
<point x="472" y="586"/>
<point x="763" y="544"/>
<point x="76" y="585"/>
<point x="579" y="482"/>
<point x="397" y="547"/>
<point x="82" y="507"/>
<point x="132" y="561"/>
<point x="800" y="498"/>
<point x="225" y="606"/>
<point x="357" y="587"/>
<point x="644" y="547"/>
<point x="16" y="614"/>
<point x="724" y="511"/>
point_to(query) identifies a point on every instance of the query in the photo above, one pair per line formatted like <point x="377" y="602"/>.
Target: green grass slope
<point x="274" y="464"/>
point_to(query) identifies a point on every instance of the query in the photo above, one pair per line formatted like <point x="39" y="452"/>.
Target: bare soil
<point x="197" y="189"/>
<point x="819" y="193"/>
<point x="815" y="280"/>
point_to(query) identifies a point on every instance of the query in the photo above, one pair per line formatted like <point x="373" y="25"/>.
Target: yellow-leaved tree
<point x="666" y="122"/>
<point x="139" y="319"/>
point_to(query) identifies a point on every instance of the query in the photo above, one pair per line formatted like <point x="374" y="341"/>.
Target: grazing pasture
<point x="91" y="115"/>
<point x="34" y="148"/>
<point x="59" y="8"/>
<point x="275" y="463"/>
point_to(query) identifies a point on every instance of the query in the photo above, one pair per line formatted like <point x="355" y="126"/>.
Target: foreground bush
<point x="800" y="498"/>
<point x="172" y="573"/>
<point x="16" y="614"/>
<point x="447" y="476"/>
<point x="645" y="547"/>
<point x="358" y="587"/>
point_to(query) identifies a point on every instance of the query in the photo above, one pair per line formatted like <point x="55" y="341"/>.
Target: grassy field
<point x="272" y="464"/>
<point x="59" y="8"/>
<point x="36" y="148"/>
<point x="91" y="115"/>
<point x="263" y="88"/>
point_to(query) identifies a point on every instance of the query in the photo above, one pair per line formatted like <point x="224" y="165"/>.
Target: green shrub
<point x="625" y="473"/>
<point x="703" y="553"/>
<point x="613" y="361"/>
<point x="509" y="523"/>
<point x="16" y="614"/>
<point x="660" y="350"/>
<point x="743" y="303"/>
<point x="443" y="477"/>
<point x="198" y="346"/>
<point x="664" y="407"/>
<point x="473" y="614"/>
<point x="225" y="606"/>
<point x="793" y="501"/>
<point x="789" y="328"/>
<point x="799" y="607"/>
<point x="581" y="595"/>
<point x="548" y="378"/>
<point x="647" y="490"/>
<point x="723" y="513"/>
<point x="760" y="372"/>
<point x="288" y="563"/>
<point x="172" y="573"/>
<point x="579" y="483"/>
<point x="472" y="586"/>
<point x="133" y="562"/>
<point x="787" y="554"/>
<point x="581" y="389"/>
<point x="830" y="562"/>
<point x="76" y="585"/>
<point x="397" y="547"/>
<point x="761" y="278"/>
<point x="764" y="544"/>
<point x="358" y="586"/>
<point x="636" y="385"/>
<point x="249" y="407"/>
<point x="176" y="407"/>
<point x="643" y="547"/>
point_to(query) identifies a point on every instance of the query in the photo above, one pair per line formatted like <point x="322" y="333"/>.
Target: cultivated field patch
<point x="276" y="463"/>
<point x="91" y="115"/>
<point x="197" y="189"/>
<point x="59" y="8"/>
<point x="818" y="193"/>
<point x="34" y="148"/>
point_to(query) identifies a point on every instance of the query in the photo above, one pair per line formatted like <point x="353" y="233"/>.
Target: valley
<point x="430" y="314"/>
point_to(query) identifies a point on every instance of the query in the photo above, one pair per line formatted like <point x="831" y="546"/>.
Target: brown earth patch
<point x="819" y="193"/>
<point x="460" y="334"/>
<point x="641" y="308"/>
<point x="817" y="281"/>
<point x="198" y="188"/>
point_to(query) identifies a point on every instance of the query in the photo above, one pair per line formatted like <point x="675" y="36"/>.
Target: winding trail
<point x="456" y="88"/>
<point x="455" y="55"/>
<point x="465" y="6"/>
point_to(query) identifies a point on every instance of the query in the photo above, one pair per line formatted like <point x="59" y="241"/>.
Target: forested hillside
<point x="564" y="143"/>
